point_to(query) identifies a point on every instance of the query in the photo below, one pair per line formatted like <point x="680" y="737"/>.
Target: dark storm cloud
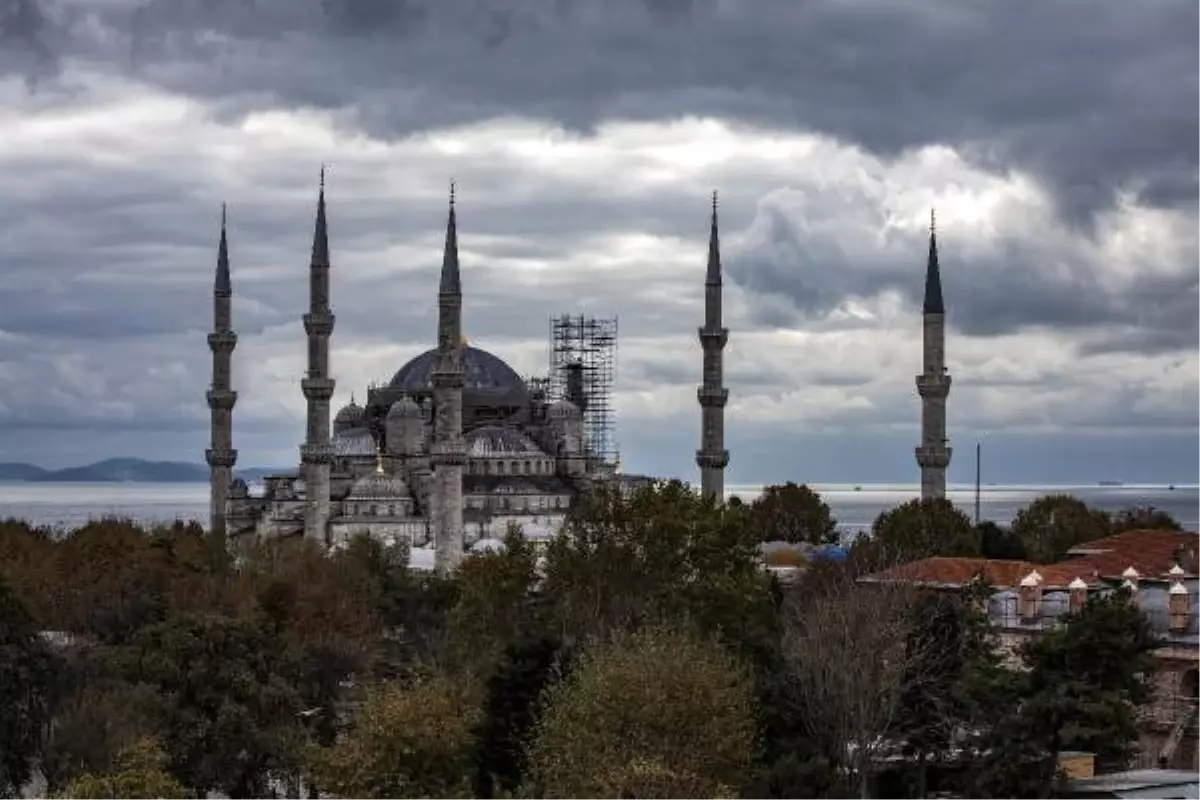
<point x="1089" y="94"/>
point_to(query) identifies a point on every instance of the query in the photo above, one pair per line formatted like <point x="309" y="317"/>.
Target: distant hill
<point x="20" y="472"/>
<point x="117" y="470"/>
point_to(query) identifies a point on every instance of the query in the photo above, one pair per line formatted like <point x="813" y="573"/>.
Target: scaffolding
<point x="583" y="368"/>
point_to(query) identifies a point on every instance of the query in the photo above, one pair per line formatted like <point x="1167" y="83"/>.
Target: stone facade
<point x="449" y="453"/>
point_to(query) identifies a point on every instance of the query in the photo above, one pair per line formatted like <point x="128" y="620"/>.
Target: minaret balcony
<point x="319" y="323"/>
<point x="934" y="385"/>
<point x="933" y="456"/>
<point x="221" y="399"/>
<point x="712" y="396"/>
<point x="221" y="457"/>
<point x="317" y="387"/>
<point x="316" y="453"/>
<point x="222" y="341"/>
<point x="706" y="459"/>
<point x="713" y="337"/>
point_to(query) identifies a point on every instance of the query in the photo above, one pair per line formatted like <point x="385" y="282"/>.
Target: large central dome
<point x="484" y="372"/>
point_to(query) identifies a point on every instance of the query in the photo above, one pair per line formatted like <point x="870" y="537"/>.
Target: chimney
<point x="1077" y="593"/>
<point x="1178" y="608"/>
<point x="1131" y="576"/>
<point x="1029" y="597"/>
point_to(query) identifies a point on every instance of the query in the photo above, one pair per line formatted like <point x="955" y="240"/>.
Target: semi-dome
<point x="484" y="372"/>
<point x="495" y="440"/>
<point x="378" y="486"/>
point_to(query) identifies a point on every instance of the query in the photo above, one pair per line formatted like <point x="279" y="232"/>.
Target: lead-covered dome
<point x="484" y="372"/>
<point x="378" y="486"/>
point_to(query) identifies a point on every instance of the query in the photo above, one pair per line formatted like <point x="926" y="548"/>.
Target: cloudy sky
<point x="1057" y="140"/>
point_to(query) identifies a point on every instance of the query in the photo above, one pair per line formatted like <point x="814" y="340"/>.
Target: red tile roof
<point x="1150" y="552"/>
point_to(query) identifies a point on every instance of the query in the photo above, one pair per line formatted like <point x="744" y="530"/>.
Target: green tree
<point x="998" y="542"/>
<point x="1143" y="518"/>
<point x="1081" y="689"/>
<point x="27" y="690"/>
<point x="511" y="707"/>
<point x="140" y="773"/>
<point x="922" y="528"/>
<point x="658" y="713"/>
<point x="493" y="605"/>
<point x="792" y="513"/>
<point x="228" y="716"/>
<point x="405" y="742"/>
<point x="664" y="555"/>
<point x="1052" y="525"/>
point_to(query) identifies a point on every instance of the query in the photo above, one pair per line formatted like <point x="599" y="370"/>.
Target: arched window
<point x="528" y="468"/>
<point x="500" y="467"/>
<point x="374" y="511"/>
<point x="1190" y="686"/>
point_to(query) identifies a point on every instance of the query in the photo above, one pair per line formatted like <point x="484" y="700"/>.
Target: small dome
<point x="1077" y="584"/>
<point x="378" y="486"/>
<point x="563" y="409"/>
<point x="350" y="414"/>
<point x="404" y="407"/>
<point x="1032" y="579"/>
<point x="1130" y="574"/>
<point x="1177" y="588"/>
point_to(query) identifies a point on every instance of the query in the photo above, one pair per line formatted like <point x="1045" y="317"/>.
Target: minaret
<point x="448" y="450"/>
<point x="316" y="452"/>
<point x="221" y="398"/>
<point x="712" y="457"/>
<point x="933" y="384"/>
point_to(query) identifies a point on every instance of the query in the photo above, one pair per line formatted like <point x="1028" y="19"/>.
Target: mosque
<point x="456" y="447"/>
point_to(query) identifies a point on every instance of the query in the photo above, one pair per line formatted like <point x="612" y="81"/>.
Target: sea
<point x="68" y="505"/>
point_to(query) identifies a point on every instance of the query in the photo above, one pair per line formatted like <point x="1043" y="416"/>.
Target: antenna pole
<point x="978" y="460"/>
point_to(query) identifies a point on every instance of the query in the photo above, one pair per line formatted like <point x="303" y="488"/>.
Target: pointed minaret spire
<point x="933" y="276"/>
<point x="448" y="449"/>
<point x="933" y="384"/>
<point x="712" y="457"/>
<point x="222" y="283"/>
<point x="221" y="456"/>
<point x="320" y="246"/>
<point x="714" y="249"/>
<point x="450" y="282"/>
<point x="316" y="454"/>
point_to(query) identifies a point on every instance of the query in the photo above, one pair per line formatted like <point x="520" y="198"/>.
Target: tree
<point x="666" y="555"/>
<point x="228" y="714"/>
<point x="510" y="709"/>
<point x="850" y="656"/>
<point x="998" y="542"/>
<point x="792" y="513"/>
<point x="1053" y="524"/>
<point x="1143" y="518"/>
<point x="493" y="605"/>
<point x="405" y="742"/>
<point x="27" y="669"/>
<point x="1081" y="688"/>
<point x="140" y="773"/>
<point x="658" y="713"/>
<point x="922" y="528"/>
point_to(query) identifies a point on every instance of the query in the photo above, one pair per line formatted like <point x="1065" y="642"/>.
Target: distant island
<point x="123" y="470"/>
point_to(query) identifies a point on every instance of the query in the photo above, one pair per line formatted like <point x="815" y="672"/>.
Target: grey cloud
<point x="1090" y="95"/>
<point x="804" y="254"/>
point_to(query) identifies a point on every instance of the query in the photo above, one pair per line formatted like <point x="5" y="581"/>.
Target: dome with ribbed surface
<point x="483" y="372"/>
<point x="378" y="486"/>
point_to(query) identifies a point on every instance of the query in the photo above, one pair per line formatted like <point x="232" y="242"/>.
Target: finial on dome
<point x="452" y="193"/>
<point x="714" y="201"/>
<point x="378" y="459"/>
<point x="222" y="216"/>
<point x="933" y="220"/>
<point x="322" y="176"/>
